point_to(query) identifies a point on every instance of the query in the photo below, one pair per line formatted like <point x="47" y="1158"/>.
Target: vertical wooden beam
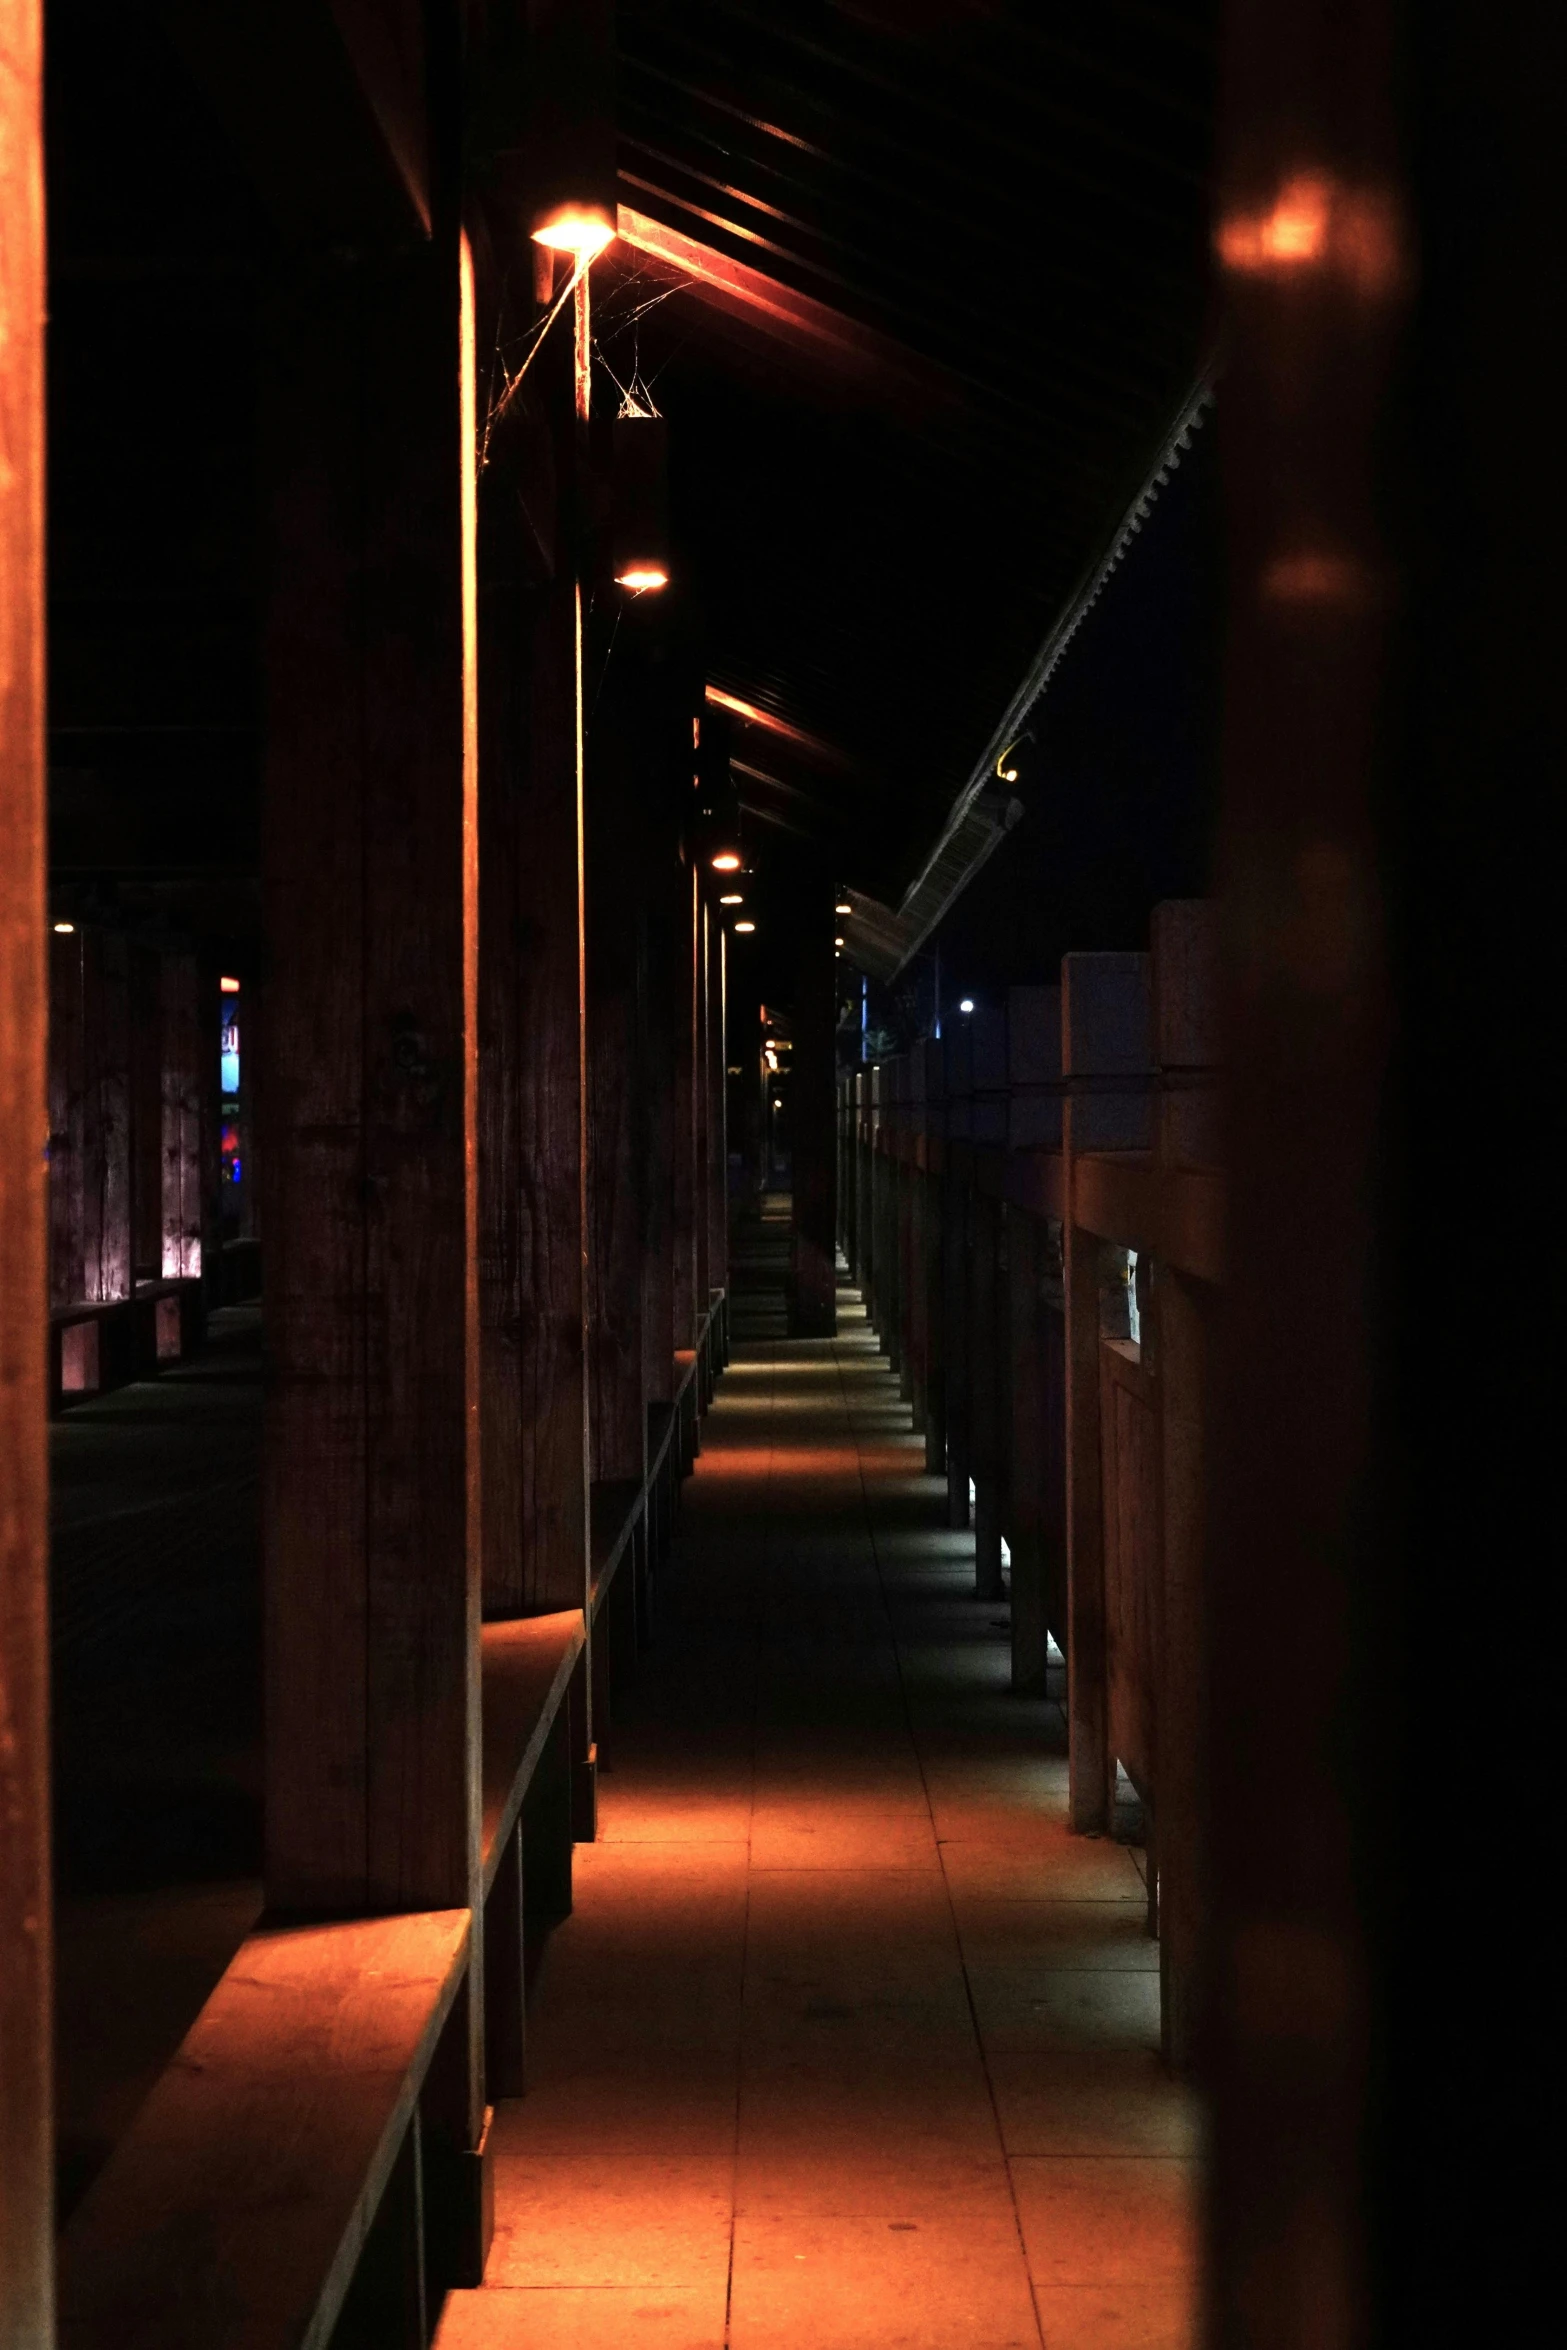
<point x="683" y="1193"/>
<point x="553" y="1567"/>
<point x="717" y="1105"/>
<point x="1104" y="1062"/>
<point x="505" y="1179"/>
<point x="369" y="1157"/>
<point x="183" y="1040"/>
<point x="814" y="1287"/>
<point x="928" y="1269"/>
<point x="26" y="1909"/>
<point x="146" y="1114"/>
<point x="618" y="1147"/>
<point x="659" y="1091"/>
<point x="1034" y="1125"/>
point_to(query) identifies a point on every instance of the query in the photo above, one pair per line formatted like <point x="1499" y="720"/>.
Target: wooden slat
<point x="616" y="1506"/>
<point x="526" y="1665"/>
<point x="233" y="2210"/>
<point x="1130" y="1452"/>
<point x="26" y="2031"/>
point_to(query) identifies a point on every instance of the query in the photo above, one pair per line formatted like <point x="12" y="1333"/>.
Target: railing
<point x="1034" y="1211"/>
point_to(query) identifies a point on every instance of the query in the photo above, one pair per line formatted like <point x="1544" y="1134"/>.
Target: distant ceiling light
<point x="837" y="942"/>
<point x="967" y="1005"/>
<point x="641" y="576"/>
<point x="582" y="231"/>
<point x="229" y="986"/>
<point x="65" y="928"/>
<point x="732" y="897"/>
<point x="843" y="907"/>
<point x="745" y="928"/>
<point x="726" y="861"/>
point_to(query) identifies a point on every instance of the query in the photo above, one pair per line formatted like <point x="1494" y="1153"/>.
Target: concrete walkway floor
<point x="848" y="2043"/>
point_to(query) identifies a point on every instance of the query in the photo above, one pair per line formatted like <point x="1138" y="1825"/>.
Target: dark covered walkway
<point x="848" y="2041"/>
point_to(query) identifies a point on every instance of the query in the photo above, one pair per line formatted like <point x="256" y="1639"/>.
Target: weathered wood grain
<point x="26" y="2030"/>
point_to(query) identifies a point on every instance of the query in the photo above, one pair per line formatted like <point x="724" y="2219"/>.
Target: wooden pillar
<point x="1104" y="1062"/>
<point x="1184" y="959"/>
<point x="618" y="1142"/>
<point x="370" y="1144"/>
<point x="929" y="1265"/>
<point x="659" y="1092"/>
<point x="146" y="1113"/>
<point x="683" y="1195"/>
<point x="183" y="1040"/>
<point x="864" y="1174"/>
<point x="986" y="1331"/>
<point x="1033" y="1146"/>
<point x="717" y="1105"/>
<point x="553" y="1566"/>
<point x="988" y="1433"/>
<point x="701" y="1115"/>
<point x="507" y="591"/>
<point x="814" y="1287"/>
<point x="26" y="1910"/>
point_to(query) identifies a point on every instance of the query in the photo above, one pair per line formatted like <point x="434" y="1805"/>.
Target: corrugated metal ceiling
<point x="987" y="227"/>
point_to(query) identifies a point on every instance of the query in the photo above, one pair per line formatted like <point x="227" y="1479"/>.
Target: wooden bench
<point x="301" y="2174"/>
<point x="96" y="1347"/>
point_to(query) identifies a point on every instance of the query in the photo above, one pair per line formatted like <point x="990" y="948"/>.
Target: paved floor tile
<point x="848" y="2043"/>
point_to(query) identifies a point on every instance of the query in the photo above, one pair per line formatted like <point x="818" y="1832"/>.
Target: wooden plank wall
<point x="26" y="2026"/>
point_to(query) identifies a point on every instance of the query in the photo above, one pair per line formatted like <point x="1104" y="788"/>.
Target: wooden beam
<point x="814" y="1286"/>
<point x="26" y="1932"/>
<point x="369" y="1146"/>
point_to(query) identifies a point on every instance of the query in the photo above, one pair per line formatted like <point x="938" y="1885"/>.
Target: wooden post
<point x="701" y="1123"/>
<point x="618" y="1146"/>
<point x="988" y="1432"/>
<point x="506" y="594"/>
<point x="814" y="1288"/>
<point x="864" y="1173"/>
<point x="1104" y="1061"/>
<point x="683" y="1195"/>
<point x="659" y="1090"/>
<point x="1184" y="957"/>
<point x="957" y="1200"/>
<point x="717" y="1106"/>
<point x="1033" y="1126"/>
<point x="26" y="1909"/>
<point x="552" y="1568"/>
<point x="370" y="1143"/>
<point x="929" y="1270"/>
<point x="146" y="1113"/>
<point x="183" y="1042"/>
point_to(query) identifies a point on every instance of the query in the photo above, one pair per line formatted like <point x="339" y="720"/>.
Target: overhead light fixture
<point x="639" y="526"/>
<point x="967" y="1005"/>
<point x="837" y="942"/>
<point x="577" y="231"/>
<point x="228" y="986"/>
<point x="745" y="928"/>
<point x="843" y="907"/>
<point x="64" y="929"/>
<point x="726" y="861"/>
<point x="732" y="897"/>
<point x="568" y="126"/>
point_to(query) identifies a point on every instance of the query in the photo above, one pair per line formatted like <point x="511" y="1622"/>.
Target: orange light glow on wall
<point x="726" y="861"/>
<point x="576" y="230"/>
<point x="1315" y="223"/>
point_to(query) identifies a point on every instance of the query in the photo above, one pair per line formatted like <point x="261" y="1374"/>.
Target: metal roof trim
<point x="977" y="823"/>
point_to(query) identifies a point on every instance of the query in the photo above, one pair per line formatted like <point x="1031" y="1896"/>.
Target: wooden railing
<point x="1033" y="1208"/>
